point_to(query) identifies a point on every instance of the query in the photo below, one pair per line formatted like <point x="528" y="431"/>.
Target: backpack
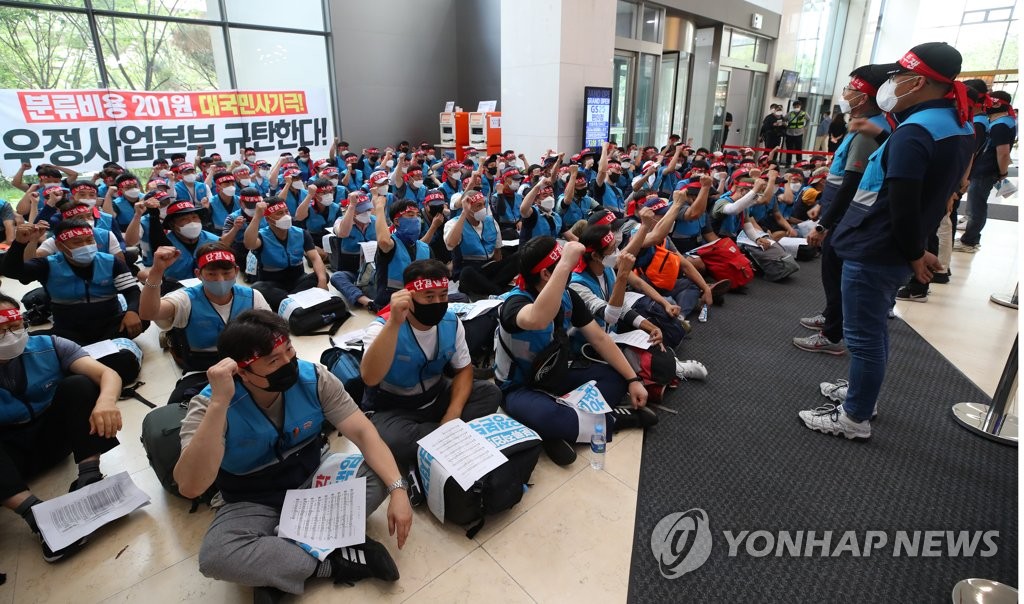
<point x="656" y="367"/>
<point x="309" y="310"/>
<point x="723" y="260"/>
<point x="37" y="307"/>
<point x="775" y="263"/>
<point x="663" y="270"/>
<point x="672" y="332"/>
<point x="344" y="364"/>
<point x="498" y="490"/>
<point x="161" y="439"/>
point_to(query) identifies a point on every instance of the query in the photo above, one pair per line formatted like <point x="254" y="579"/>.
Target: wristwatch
<point x="635" y="379"/>
<point x="819" y="228"/>
<point x="401" y="483"/>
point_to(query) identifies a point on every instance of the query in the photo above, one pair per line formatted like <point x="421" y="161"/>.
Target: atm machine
<point x="454" y="133"/>
<point x="485" y="132"/>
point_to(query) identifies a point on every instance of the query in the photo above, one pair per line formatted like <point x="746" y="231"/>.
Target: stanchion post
<point x="1007" y="300"/>
<point x="992" y="421"/>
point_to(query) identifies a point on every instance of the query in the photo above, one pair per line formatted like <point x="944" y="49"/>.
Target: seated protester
<point x="183" y="229"/>
<point x="605" y="191"/>
<point x="261" y="178"/>
<point x="243" y="176"/>
<point x="352" y="175"/>
<point x="47" y="174"/>
<point x="806" y="208"/>
<point x="153" y="207"/>
<point x="795" y="184"/>
<point x="489" y="175"/>
<point x="397" y="246"/>
<point x="358" y="225"/>
<point x="668" y="271"/>
<point x="527" y="327"/>
<point x="83" y="193"/>
<point x="54" y="399"/>
<point x="586" y="158"/>
<point x="377" y="184"/>
<point x="436" y="209"/>
<point x="189" y="187"/>
<point x="107" y="177"/>
<point x="533" y="176"/>
<point x="765" y="211"/>
<point x="306" y="165"/>
<point x="281" y="251"/>
<point x="668" y="175"/>
<point x="83" y="212"/>
<point x="408" y="182"/>
<point x="370" y="161"/>
<point x="224" y="202"/>
<point x="579" y="204"/>
<point x="122" y="206"/>
<point x="505" y="203"/>
<point x="197" y="315"/>
<point x="475" y="243"/>
<point x="407" y="352"/>
<point x="254" y="433"/>
<point x="293" y="192"/>
<point x="82" y="283"/>
<point x="691" y="228"/>
<point x="235" y="224"/>
<point x="729" y="213"/>
<point x="540" y="220"/>
<point x="452" y="179"/>
<point x="318" y="212"/>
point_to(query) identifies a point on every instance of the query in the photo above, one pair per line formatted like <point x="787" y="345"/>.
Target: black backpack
<point x="499" y="489"/>
<point x="344" y="364"/>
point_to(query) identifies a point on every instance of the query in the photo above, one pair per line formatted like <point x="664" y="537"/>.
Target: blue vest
<point x="542" y="227"/>
<point x="355" y="181"/>
<point x="125" y="211"/>
<point x="401" y="259"/>
<point x="204" y="322"/>
<point x="293" y="199"/>
<point x="730" y="224"/>
<point x="587" y="278"/>
<point x="448" y="190"/>
<point x="350" y="244"/>
<point x="218" y="213"/>
<point x="982" y="119"/>
<point x="261" y="462"/>
<point x="65" y="287"/>
<point x="689" y="228"/>
<point x="525" y="345"/>
<point x="511" y="213"/>
<point x="275" y="256"/>
<point x="837" y="171"/>
<point x="412" y="381"/>
<point x="576" y="210"/>
<point x="786" y="209"/>
<point x="612" y="198"/>
<point x="181" y="191"/>
<point x="417" y="195"/>
<point x="317" y="223"/>
<point x="185" y="266"/>
<point x="42" y="373"/>
<point x="475" y="247"/>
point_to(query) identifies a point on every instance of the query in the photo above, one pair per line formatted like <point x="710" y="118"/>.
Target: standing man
<point x="821" y="136"/>
<point x="899" y="202"/>
<point x="796" y="126"/>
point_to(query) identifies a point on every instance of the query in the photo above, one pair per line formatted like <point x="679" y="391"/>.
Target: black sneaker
<point x="372" y="307"/>
<point x="559" y="451"/>
<point x="358" y="562"/>
<point x="56" y="556"/>
<point x="78" y="484"/>
<point x="626" y="417"/>
<point x="267" y="595"/>
<point x="941" y="278"/>
<point x="909" y="294"/>
<point x="718" y="290"/>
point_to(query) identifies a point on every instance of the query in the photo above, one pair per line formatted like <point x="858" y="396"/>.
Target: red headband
<point x="278" y="341"/>
<point x="250" y="199"/>
<point x="422" y="284"/>
<point x="435" y="196"/>
<point x="330" y="171"/>
<point x="996" y="103"/>
<point x="274" y="208"/>
<point x="661" y="203"/>
<point x="863" y="86"/>
<point x="10" y="315"/>
<point x="223" y="178"/>
<point x="215" y="256"/>
<point x="127" y="184"/>
<point x="82" y="188"/>
<point x="75" y="211"/>
<point x="551" y="258"/>
<point x="180" y="206"/>
<point x="607" y="240"/>
<point x="958" y="94"/>
<point x="606" y="219"/>
<point x="72" y="233"/>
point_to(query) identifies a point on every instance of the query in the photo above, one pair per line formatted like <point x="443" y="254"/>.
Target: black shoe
<point x="416" y="495"/>
<point x="372" y="307"/>
<point x="911" y="294"/>
<point x="267" y="595"/>
<point x="78" y="484"/>
<point x="56" y="556"/>
<point x="358" y="562"/>
<point x="559" y="451"/>
<point x="718" y="290"/>
<point x="941" y="278"/>
<point x="626" y="417"/>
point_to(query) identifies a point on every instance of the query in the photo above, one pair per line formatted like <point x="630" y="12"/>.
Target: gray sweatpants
<point x="241" y="547"/>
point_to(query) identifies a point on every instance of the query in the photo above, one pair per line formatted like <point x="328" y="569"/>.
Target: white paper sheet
<point x="792" y="244"/>
<point x="325" y="243"/>
<point x="462" y="451"/>
<point x="350" y="337"/>
<point x="637" y="338"/>
<point x="369" y="250"/>
<point x="66" y="519"/>
<point x="327" y="517"/>
<point x="101" y="349"/>
<point x="310" y="297"/>
<point x="509" y="242"/>
<point x="480" y="307"/>
<point x="190" y="282"/>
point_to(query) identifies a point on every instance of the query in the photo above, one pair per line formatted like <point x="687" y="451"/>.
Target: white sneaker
<point x="960" y="246"/>
<point x="834" y="391"/>
<point x="691" y="370"/>
<point x="831" y="419"/>
<point x="817" y="322"/>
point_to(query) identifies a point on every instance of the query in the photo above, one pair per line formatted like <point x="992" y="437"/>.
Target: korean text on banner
<point x="87" y="128"/>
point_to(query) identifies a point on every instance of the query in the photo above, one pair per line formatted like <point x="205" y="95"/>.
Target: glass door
<point x="754" y="117"/>
<point x="721" y="94"/>
<point x="646" y="83"/>
<point x="682" y="92"/>
<point x="666" y="91"/>
<point x="622" y="97"/>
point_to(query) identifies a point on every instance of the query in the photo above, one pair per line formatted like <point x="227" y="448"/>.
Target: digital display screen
<point x="597" y="115"/>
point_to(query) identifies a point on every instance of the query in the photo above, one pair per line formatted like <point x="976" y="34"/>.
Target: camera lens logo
<point x="681" y="542"/>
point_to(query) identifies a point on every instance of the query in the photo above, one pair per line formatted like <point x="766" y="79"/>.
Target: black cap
<point x="875" y="75"/>
<point x="939" y="56"/>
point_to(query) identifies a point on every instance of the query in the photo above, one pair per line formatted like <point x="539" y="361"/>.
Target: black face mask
<point x="580" y="193"/>
<point x="282" y="378"/>
<point x="492" y="171"/>
<point x="429" y="314"/>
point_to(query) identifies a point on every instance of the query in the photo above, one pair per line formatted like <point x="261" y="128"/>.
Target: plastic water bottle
<point x="703" y="316"/>
<point x="597" y="442"/>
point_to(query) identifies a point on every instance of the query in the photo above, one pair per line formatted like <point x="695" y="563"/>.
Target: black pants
<point x="489" y="279"/>
<point x="26" y="450"/>
<point x="915" y="286"/>
<point x="831" y="281"/>
<point x="85" y="333"/>
<point x="794" y="143"/>
<point x="275" y="291"/>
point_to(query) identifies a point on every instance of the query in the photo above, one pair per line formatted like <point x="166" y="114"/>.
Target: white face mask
<point x="381" y="190"/>
<point x="564" y="177"/>
<point x="795" y="186"/>
<point x="326" y="199"/>
<point x="609" y="261"/>
<point x="250" y="157"/>
<point x="886" y="97"/>
<point x="89" y="201"/>
<point x="190" y="230"/>
<point x="335" y="181"/>
<point x="284" y="222"/>
<point x="626" y="166"/>
<point x="248" y="212"/>
<point x="264" y="173"/>
<point x="245" y="182"/>
<point x="501" y="167"/>
<point x="719" y="176"/>
<point x="166" y="173"/>
<point x="588" y="164"/>
<point x="229" y="190"/>
<point x="91" y="221"/>
<point x="777" y="113"/>
<point x="132" y="193"/>
<point x="297" y="185"/>
<point x="456" y="176"/>
<point x="807" y="174"/>
<point x="13" y="344"/>
<point x="390" y="163"/>
<point x="417" y="183"/>
<point x="480" y="215"/>
<point x="363" y="217"/>
<point x="548" y="203"/>
<point x="844" y="105"/>
<point x="189" y="178"/>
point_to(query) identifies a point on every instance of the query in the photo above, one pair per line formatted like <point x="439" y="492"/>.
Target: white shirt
<point x="49" y="247"/>
<point x="428" y="342"/>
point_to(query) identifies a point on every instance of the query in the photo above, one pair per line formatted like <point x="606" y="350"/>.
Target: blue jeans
<point x="977" y="197"/>
<point x="869" y="291"/>
<point x="686" y="294"/>
<point x="344" y="281"/>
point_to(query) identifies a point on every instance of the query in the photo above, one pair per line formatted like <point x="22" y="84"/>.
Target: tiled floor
<point x="569" y="539"/>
